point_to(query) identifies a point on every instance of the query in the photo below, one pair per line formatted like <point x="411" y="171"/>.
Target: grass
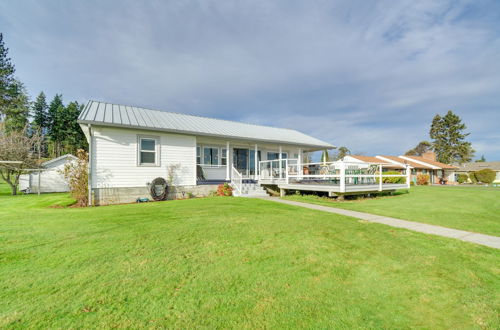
<point x="232" y="263"/>
<point x="474" y="209"/>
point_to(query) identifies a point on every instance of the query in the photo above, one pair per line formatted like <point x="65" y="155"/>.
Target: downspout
<point x="90" y="166"/>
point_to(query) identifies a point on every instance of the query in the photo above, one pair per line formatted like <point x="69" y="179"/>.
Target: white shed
<point x="51" y="179"/>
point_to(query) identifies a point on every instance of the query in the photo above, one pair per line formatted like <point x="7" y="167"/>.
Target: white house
<point x="49" y="179"/>
<point x="129" y="147"/>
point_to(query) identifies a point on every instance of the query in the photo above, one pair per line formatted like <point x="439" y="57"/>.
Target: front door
<point x="240" y="161"/>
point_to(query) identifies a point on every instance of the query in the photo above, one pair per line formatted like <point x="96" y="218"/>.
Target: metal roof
<point x="107" y="114"/>
<point x="477" y="166"/>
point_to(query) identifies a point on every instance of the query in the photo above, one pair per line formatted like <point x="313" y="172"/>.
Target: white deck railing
<point x="236" y="179"/>
<point x="335" y="173"/>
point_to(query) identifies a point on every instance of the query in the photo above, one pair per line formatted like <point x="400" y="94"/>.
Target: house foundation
<point x="125" y="195"/>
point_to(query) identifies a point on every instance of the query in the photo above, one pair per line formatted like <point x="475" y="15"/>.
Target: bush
<point x="462" y="178"/>
<point x="485" y="176"/>
<point x="396" y="179"/>
<point x="224" y="190"/>
<point x="76" y="174"/>
<point x="472" y="177"/>
<point x="423" y="179"/>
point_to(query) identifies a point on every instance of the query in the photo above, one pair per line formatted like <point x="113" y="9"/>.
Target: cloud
<point x="367" y="75"/>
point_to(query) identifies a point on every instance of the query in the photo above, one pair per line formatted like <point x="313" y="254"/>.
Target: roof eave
<point x="311" y="147"/>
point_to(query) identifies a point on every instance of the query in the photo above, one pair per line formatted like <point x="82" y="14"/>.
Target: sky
<point x="369" y="75"/>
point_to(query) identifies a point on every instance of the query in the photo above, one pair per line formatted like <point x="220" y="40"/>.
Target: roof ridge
<point x="198" y="116"/>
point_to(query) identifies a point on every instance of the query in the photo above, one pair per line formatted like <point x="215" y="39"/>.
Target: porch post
<point x="281" y="175"/>
<point x="256" y="160"/>
<point x="229" y="162"/>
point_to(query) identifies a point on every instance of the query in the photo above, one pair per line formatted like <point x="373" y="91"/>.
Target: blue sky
<point x="369" y="75"/>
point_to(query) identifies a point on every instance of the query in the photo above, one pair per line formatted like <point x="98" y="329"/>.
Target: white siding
<point x="51" y="179"/>
<point x="115" y="162"/>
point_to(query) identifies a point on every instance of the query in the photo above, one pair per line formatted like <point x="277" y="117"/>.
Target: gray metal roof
<point x="107" y="114"/>
<point x="477" y="166"/>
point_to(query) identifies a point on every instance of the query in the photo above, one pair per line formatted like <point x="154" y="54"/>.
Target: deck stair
<point x="250" y="188"/>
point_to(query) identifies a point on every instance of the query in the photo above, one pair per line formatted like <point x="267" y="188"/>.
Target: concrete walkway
<point x="467" y="236"/>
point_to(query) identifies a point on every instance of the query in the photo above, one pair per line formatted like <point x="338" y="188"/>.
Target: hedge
<point x="485" y="175"/>
<point x="462" y="178"/>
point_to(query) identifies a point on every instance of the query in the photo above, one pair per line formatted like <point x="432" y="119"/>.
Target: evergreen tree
<point x="40" y="114"/>
<point x="8" y="87"/>
<point x="421" y="148"/>
<point x="481" y="160"/>
<point x="449" y="139"/>
<point x="13" y="97"/>
<point x="17" y="110"/>
<point x="75" y="139"/>
<point x="56" y="125"/>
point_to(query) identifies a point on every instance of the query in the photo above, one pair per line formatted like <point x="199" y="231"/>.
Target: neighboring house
<point x="130" y="147"/>
<point x="386" y="165"/>
<point x="466" y="168"/>
<point x="49" y="179"/>
<point x="426" y="164"/>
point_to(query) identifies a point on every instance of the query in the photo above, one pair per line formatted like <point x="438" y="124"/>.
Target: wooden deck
<point x="334" y="189"/>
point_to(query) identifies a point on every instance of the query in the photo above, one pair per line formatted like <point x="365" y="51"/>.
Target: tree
<point x="7" y="81"/>
<point x="17" y="146"/>
<point x="40" y="114"/>
<point x="421" y="148"/>
<point x="76" y="174"/>
<point x="56" y="124"/>
<point x="16" y="111"/>
<point x="485" y="175"/>
<point x="325" y="157"/>
<point x="340" y="153"/>
<point x="481" y="160"/>
<point x="449" y="139"/>
<point x="74" y="138"/>
<point x="14" y="101"/>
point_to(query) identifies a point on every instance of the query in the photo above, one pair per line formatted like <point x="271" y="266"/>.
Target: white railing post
<point x="408" y="176"/>
<point x="286" y="171"/>
<point x="342" y="177"/>
<point x="256" y="159"/>
<point x="228" y="174"/>
<point x="280" y="165"/>
<point x="380" y="177"/>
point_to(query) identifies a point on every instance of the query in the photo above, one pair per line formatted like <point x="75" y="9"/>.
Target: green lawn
<point x="232" y="263"/>
<point x="468" y="208"/>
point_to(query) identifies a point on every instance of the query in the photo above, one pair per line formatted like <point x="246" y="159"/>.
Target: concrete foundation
<point x="123" y="195"/>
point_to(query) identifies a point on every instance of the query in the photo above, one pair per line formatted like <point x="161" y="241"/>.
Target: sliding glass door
<point x="240" y="161"/>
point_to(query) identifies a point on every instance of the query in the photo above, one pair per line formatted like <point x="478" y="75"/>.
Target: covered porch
<point x="219" y="161"/>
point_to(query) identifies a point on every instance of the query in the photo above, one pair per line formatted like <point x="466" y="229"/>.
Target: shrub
<point x="224" y="190"/>
<point x="485" y="175"/>
<point x="462" y="178"/>
<point x="472" y="177"/>
<point x="396" y="179"/>
<point x="423" y="179"/>
<point x="76" y="174"/>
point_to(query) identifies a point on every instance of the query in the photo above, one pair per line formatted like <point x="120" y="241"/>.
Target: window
<point x="210" y="156"/>
<point x="223" y="157"/>
<point x="148" y="151"/>
<point x="198" y="155"/>
<point x="276" y="155"/>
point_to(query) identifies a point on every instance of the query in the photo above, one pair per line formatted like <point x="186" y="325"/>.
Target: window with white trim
<point x="198" y="155"/>
<point x="210" y="156"/>
<point x="223" y="157"/>
<point x="148" y="151"/>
